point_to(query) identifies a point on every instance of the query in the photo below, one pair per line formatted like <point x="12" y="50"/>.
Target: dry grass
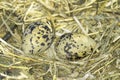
<point x="100" y="19"/>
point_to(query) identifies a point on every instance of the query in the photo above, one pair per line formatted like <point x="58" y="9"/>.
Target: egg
<point x="37" y="37"/>
<point x="74" y="46"/>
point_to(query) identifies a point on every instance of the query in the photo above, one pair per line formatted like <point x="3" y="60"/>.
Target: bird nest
<point x="98" y="19"/>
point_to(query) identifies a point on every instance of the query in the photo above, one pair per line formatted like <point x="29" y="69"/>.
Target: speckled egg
<point x="37" y="37"/>
<point x="74" y="46"/>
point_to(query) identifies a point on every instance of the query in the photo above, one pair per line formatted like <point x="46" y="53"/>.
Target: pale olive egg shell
<point x="37" y="38"/>
<point x="74" y="45"/>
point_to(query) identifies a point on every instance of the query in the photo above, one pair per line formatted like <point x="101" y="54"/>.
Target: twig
<point x="80" y="25"/>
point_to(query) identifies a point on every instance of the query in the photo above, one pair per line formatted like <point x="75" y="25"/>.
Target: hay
<point x="100" y="19"/>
